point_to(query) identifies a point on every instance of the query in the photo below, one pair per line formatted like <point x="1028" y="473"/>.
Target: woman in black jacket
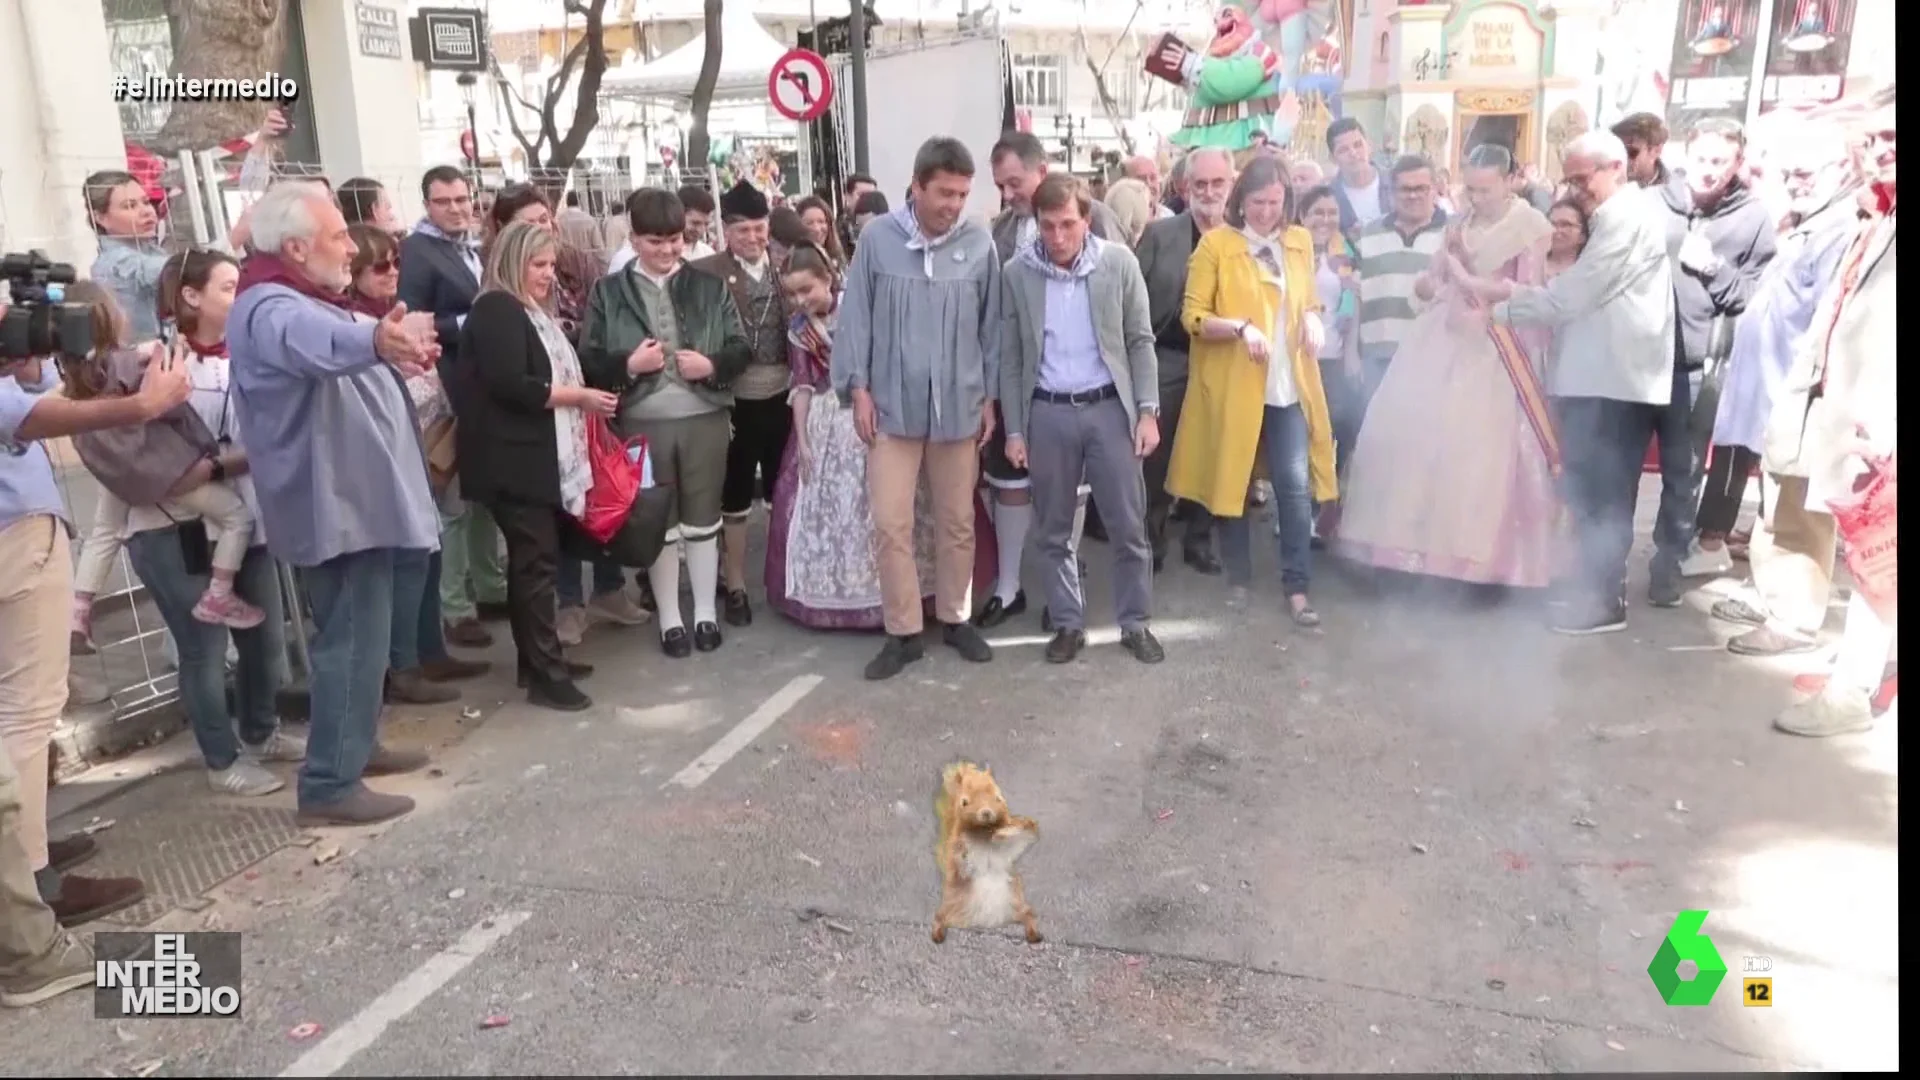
<point x="521" y="442"/>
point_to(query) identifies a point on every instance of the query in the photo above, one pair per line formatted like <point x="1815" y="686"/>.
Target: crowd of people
<point x="1457" y="383"/>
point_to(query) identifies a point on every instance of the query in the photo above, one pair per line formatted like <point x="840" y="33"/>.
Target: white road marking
<point x="332" y="1053"/>
<point x="743" y="733"/>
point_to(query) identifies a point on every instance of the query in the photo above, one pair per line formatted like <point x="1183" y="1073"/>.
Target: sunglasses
<point x="384" y="266"/>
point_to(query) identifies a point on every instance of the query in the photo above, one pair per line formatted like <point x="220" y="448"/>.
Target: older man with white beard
<point x="1793" y="549"/>
<point x="1164" y="251"/>
<point x="340" y="474"/>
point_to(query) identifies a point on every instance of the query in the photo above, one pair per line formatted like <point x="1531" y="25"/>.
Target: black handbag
<point x="640" y="540"/>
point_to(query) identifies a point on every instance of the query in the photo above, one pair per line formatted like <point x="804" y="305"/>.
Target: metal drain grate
<point x="180" y="842"/>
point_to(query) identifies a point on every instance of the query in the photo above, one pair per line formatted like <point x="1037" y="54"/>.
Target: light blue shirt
<point x="331" y="442"/>
<point x="1070" y="360"/>
<point x="130" y="270"/>
<point x="27" y="484"/>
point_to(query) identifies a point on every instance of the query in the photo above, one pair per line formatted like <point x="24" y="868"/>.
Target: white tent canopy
<point x="747" y="56"/>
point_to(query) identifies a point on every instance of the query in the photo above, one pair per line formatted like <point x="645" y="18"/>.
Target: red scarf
<point x="367" y="305"/>
<point x="264" y="269"/>
<point x="218" y="348"/>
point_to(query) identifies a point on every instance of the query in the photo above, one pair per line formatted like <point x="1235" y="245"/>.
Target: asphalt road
<point x="1430" y="837"/>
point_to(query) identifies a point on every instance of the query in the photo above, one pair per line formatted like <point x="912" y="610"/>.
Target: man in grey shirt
<point x="1611" y="372"/>
<point x="918" y="356"/>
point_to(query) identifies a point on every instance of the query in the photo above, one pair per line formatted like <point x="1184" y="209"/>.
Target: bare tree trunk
<point x="698" y="142"/>
<point x="1100" y="87"/>
<point x="591" y="53"/>
<point x="220" y="39"/>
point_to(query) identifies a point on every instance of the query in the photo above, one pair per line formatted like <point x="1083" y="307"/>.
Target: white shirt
<point x="1326" y="282"/>
<point x="1365" y="201"/>
<point x="1281" y="392"/>
<point x="755" y="270"/>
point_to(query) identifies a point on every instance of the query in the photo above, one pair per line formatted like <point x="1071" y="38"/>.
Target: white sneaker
<point x="571" y="625"/>
<point x="1700" y="562"/>
<point x="279" y="746"/>
<point x="245" y="777"/>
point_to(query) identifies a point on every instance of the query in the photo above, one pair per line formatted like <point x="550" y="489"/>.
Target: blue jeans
<point x="155" y="555"/>
<point x="1682" y="472"/>
<point x="351" y="598"/>
<point x="608" y="577"/>
<point x="417" y="634"/>
<point x="1283" y="435"/>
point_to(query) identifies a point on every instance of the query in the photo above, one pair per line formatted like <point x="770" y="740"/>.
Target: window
<point x="1039" y="81"/>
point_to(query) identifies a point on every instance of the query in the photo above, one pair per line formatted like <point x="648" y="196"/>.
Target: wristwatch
<point x="1241" y="330"/>
<point x="1150" y="410"/>
<point x="219" y="473"/>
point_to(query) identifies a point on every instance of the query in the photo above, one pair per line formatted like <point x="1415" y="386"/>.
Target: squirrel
<point x="979" y="842"/>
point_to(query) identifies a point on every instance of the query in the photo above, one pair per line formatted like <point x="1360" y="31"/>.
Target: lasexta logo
<point x="1684" y="942"/>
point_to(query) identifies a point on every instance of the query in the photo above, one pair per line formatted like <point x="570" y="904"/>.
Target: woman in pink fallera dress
<point x="1453" y="472"/>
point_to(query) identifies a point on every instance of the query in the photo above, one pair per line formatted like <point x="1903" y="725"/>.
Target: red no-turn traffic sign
<point x="800" y="86"/>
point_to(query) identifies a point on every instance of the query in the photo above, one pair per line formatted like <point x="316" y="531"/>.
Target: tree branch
<point x="586" y="93"/>
<point x="514" y="103"/>
<point x="1100" y="87"/>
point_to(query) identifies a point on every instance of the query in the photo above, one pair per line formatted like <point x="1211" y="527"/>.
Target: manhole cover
<point x="180" y="839"/>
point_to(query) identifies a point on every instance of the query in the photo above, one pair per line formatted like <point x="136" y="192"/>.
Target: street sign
<point x="800" y="86"/>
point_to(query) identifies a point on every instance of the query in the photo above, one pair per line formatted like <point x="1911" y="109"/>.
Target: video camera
<point x="37" y="322"/>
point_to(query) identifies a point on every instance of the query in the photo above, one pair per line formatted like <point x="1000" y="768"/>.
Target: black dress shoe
<point x="1143" y="645"/>
<point x="706" y="636"/>
<point x="492" y="612"/>
<point x="524" y="678"/>
<point x="676" y="643"/>
<point x="996" y="612"/>
<point x="739" y="611"/>
<point x="1202" y="560"/>
<point x="894" y="656"/>
<point x="1065" y="646"/>
<point x="558" y="696"/>
<point x="967" y="641"/>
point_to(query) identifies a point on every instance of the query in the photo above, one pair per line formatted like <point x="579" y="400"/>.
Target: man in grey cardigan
<point x="917" y="353"/>
<point x="1611" y="374"/>
<point x="1080" y="392"/>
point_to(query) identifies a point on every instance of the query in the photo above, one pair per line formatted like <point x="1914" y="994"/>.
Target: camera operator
<point x="35" y="591"/>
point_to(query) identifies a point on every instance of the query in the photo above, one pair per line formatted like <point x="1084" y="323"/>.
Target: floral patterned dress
<point x="822" y="571"/>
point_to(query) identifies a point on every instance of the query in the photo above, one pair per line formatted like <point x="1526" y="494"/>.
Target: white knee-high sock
<point x="1010" y="524"/>
<point x="703" y="571"/>
<point x="664" y="576"/>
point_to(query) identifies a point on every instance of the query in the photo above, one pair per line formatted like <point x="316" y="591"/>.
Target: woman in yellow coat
<point x="1254" y="313"/>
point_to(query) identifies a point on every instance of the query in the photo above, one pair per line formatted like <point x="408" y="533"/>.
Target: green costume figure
<point x="1235" y="83"/>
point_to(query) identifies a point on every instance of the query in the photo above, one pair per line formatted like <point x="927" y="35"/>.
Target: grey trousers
<point x="1064" y="443"/>
<point x="27" y="930"/>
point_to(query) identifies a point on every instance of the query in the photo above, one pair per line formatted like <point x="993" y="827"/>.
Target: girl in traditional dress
<point x="821" y="569"/>
<point x="1453" y="471"/>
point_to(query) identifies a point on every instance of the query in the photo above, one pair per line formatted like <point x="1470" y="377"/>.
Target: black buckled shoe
<point x="706" y="636"/>
<point x="676" y="643"/>
<point x="996" y="612"/>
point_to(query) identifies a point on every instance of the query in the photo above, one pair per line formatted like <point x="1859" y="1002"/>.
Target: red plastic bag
<point x="616" y="479"/>
<point x="1870" y="530"/>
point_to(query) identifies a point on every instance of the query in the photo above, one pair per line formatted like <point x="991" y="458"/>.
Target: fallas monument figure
<point x="1247" y="81"/>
